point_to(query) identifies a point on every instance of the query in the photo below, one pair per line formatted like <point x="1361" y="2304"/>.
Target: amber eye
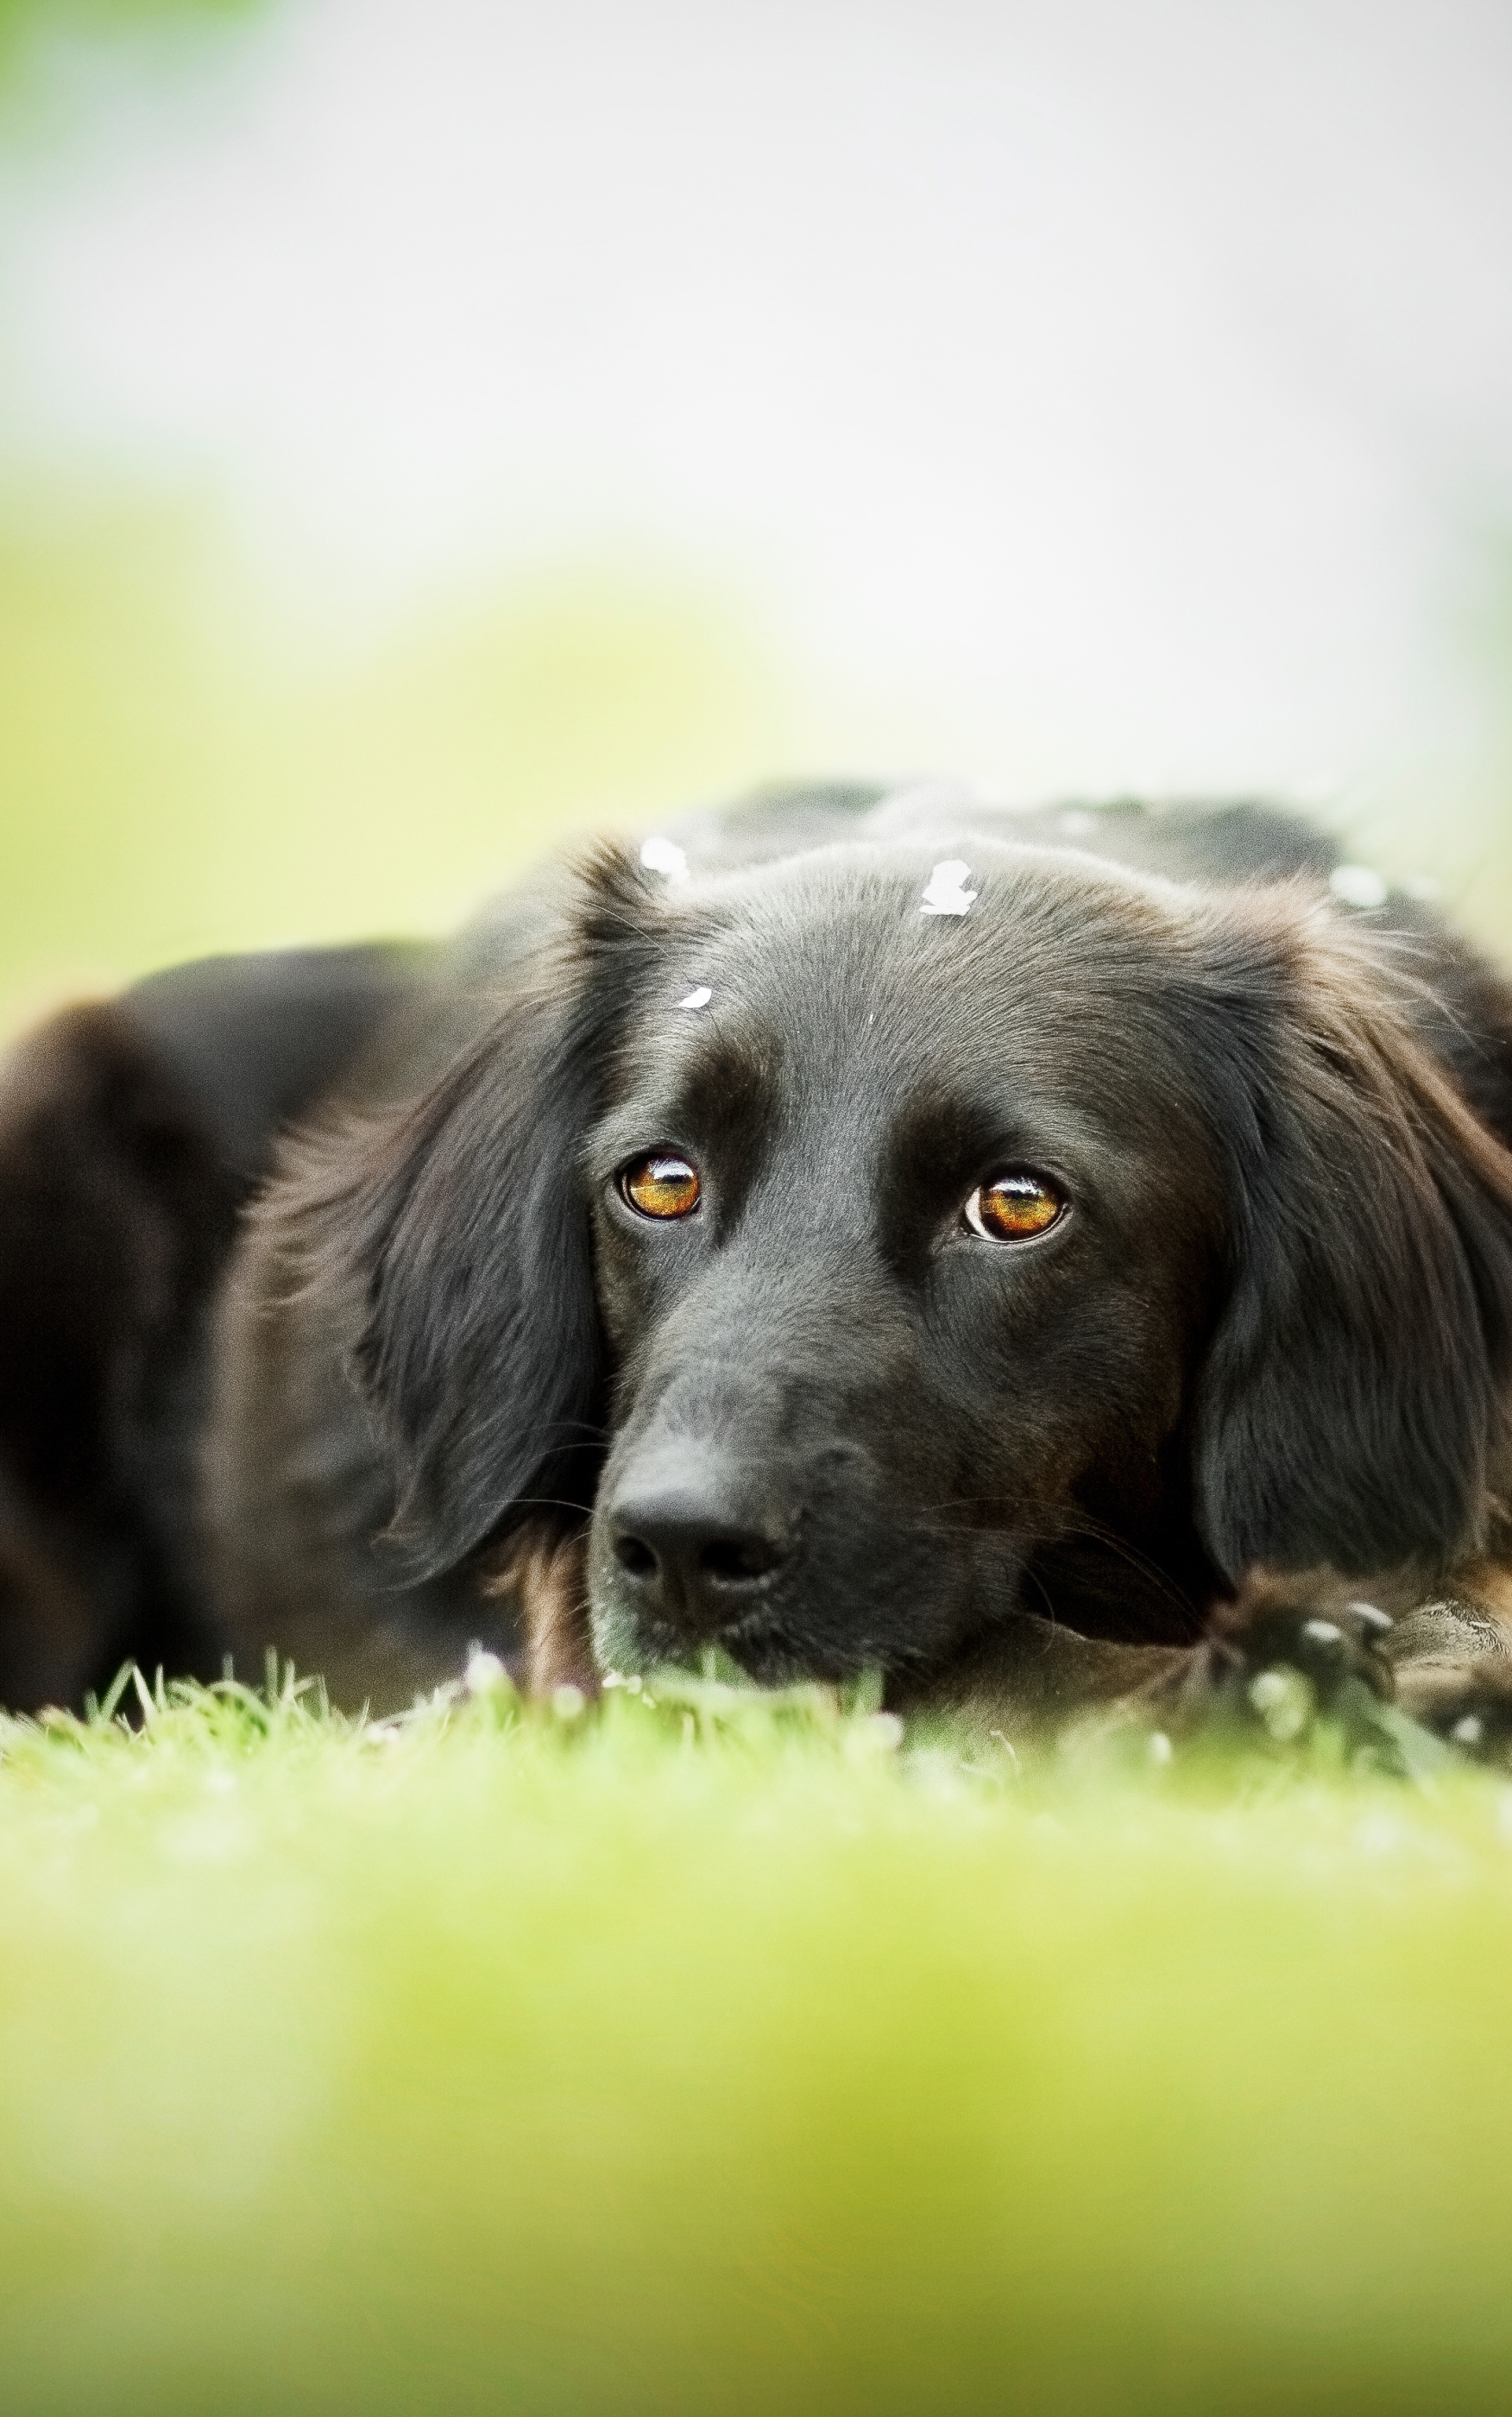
<point x="660" y="1185"/>
<point x="1015" y="1208"/>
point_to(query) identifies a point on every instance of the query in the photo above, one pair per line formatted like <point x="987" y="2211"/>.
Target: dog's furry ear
<point x="459" y="1229"/>
<point x="1353" y="1408"/>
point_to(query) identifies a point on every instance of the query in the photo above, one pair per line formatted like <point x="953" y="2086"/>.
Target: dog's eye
<point x="1015" y="1208"/>
<point x="660" y="1185"/>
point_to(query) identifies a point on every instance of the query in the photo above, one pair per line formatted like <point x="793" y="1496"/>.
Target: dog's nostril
<point x="734" y="1558"/>
<point x="636" y="1557"/>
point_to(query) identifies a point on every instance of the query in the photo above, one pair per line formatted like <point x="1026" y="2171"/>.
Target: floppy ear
<point x="1353" y="1408"/>
<point x="460" y="1231"/>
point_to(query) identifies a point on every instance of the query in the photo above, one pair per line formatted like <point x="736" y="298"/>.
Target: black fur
<point x="1353" y="1410"/>
<point x="821" y="1421"/>
<point x="478" y="1342"/>
<point x="131" y="1136"/>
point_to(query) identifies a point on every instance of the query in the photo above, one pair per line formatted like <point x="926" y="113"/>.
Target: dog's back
<point x="132" y="1134"/>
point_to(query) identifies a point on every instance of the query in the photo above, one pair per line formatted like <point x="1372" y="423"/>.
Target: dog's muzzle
<point x="696" y="1540"/>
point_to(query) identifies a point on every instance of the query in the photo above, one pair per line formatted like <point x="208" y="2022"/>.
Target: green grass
<point x="725" y="2055"/>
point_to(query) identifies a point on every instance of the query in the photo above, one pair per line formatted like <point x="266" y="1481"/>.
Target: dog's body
<point x="894" y="1233"/>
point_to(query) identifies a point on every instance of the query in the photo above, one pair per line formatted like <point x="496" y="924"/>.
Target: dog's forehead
<point x="922" y="957"/>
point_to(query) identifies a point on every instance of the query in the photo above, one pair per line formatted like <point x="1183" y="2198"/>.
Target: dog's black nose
<point x="693" y="1542"/>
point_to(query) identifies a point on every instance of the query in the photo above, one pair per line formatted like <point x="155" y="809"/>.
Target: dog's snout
<point x="692" y="1541"/>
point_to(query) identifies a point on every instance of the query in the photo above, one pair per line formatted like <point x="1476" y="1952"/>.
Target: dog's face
<point x="841" y="1266"/>
<point x="906" y="1227"/>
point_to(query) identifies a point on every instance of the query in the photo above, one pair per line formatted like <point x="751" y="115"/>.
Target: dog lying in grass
<point x="1053" y="1259"/>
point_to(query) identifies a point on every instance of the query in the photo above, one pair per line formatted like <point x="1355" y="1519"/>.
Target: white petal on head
<point x="1358" y="885"/>
<point x="665" y="857"/>
<point x="945" y="893"/>
<point x="699" y="997"/>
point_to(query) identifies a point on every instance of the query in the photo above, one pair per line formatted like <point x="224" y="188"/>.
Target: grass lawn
<point x="718" y="2054"/>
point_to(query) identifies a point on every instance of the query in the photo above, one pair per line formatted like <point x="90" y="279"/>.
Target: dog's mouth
<point x="771" y="1645"/>
<point x="763" y="1645"/>
<point x="769" y="1654"/>
<point x="815" y="1611"/>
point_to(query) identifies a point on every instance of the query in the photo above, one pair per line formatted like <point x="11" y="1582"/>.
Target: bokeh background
<point x="429" y="431"/>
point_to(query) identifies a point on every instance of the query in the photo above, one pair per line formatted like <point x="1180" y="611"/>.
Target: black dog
<point x="1009" y="1251"/>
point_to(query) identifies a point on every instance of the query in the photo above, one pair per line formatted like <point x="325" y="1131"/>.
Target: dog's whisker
<point x="548" y="1502"/>
<point x="1033" y="1578"/>
<point x="1086" y="1529"/>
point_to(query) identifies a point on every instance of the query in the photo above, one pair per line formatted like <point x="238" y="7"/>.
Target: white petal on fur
<point x="699" y="997"/>
<point x="665" y="857"/>
<point x="945" y="893"/>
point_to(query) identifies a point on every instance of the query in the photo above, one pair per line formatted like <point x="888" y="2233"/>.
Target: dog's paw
<point x="1284" y="1667"/>
<point x="1282" y="1654"/>
<point x="1468" y="1703"/>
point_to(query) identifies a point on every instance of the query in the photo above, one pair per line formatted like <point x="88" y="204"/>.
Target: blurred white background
<point x="1088" y="396"/>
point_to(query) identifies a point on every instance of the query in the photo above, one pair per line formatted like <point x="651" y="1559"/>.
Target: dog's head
<point x="844" y="1238"/>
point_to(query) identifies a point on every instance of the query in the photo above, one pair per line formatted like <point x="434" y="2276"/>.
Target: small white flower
<point x="568" y="1703"/>
<point x="946" y="891"/>
<point x="1284" y="1701"/>
<point x="665" y="857"/>
<point x="1469" y="1731"/>
<point x="699" y="997"/>
<point x="1358" y="885"/>
<point x="1322" y="1632"/>
<point x="485" y="1673"/>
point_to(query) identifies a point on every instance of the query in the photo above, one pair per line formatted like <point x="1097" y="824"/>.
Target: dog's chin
<point x="758" y="1644"/>
<point x="769" y="1659"/>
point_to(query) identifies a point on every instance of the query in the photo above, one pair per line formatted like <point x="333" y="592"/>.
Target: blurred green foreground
<point x="637" y="2061"/>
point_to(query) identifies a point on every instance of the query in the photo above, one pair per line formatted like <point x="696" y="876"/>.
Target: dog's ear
<point x="1353" y="1408"/>
<point x="458" y="1231"/>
